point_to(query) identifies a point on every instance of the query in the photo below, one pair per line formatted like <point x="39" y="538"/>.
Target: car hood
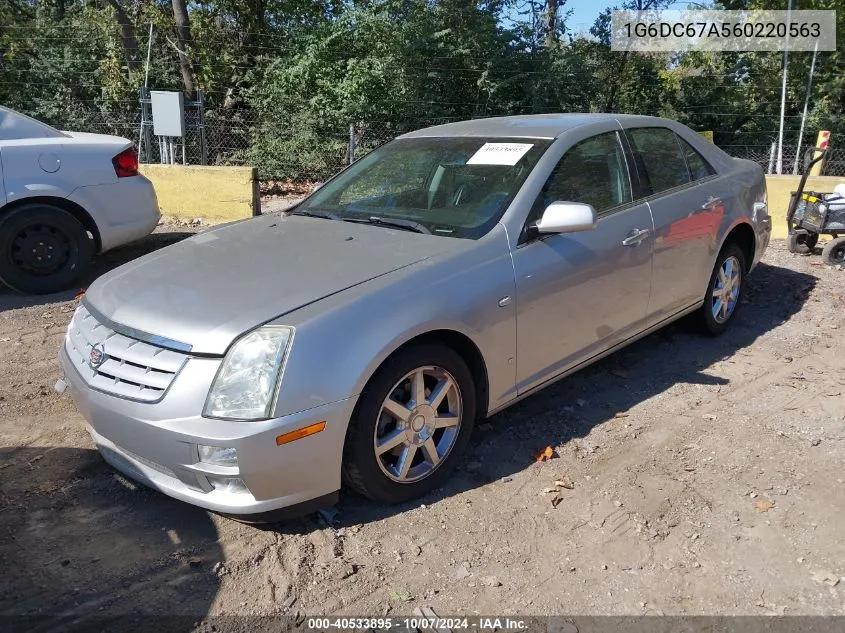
<point x="210" y="288"/>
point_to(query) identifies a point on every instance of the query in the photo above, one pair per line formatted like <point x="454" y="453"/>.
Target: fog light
<point x="227" y="484"/>
<point x="227" y="456"/>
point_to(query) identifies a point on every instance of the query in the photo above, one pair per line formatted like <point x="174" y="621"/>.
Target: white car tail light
<point x="126" y="163"/>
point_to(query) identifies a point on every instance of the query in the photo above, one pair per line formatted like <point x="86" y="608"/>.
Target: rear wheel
<point x="801" y="242"/>
<point x="411" y="424"/>
<point x="43" y="249"/>
<point x="833" y="253"/>
<point x="724" y="291"/>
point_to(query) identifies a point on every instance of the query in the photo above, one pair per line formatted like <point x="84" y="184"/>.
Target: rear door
<point x="678" y="185"/>
<point x="579" y="294"/>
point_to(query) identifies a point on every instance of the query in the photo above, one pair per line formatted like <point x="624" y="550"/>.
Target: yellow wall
<point x="221" y="194"/>
<point x="779" y="189"/>
<point x="215" y="194"/>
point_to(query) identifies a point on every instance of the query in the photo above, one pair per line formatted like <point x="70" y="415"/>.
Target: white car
<point x="65" y="196"/>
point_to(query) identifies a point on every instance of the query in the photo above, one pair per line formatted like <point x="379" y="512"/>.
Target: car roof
<point x="527" y="126"/>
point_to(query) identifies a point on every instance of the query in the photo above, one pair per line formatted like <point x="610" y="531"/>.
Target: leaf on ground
<point x="544" y="454"/>
<point x="79" y="294"/>
<point x="764" y="505"/>
<point x="400" y="594"/>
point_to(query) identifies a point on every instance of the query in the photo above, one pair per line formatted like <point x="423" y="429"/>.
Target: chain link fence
<point x="766" y="157"/>
<point x="311" y="152"/>
<point x="316" y="153"/>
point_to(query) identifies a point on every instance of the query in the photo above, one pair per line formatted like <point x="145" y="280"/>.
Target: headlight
<point x="246" y="383"/>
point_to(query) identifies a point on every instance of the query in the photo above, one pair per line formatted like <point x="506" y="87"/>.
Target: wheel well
<point x="467" y="350"/>
<point x="66" y="205"/>
<point x="743" y="236"/>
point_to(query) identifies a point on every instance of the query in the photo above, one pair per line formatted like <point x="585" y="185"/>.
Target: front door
<point x="579" y="294"/>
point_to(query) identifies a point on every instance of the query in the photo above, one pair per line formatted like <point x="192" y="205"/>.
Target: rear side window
<point x="14" y="125"/>
<point x="698" y="167"/>
<point x="664" y="164"/>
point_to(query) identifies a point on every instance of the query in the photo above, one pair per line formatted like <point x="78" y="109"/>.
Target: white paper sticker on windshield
<point x="499" y="154"/>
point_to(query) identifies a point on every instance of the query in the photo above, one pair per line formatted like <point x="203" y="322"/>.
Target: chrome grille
<point x="133" y="369"/>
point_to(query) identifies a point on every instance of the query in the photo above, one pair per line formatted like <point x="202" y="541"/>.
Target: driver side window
<point x="593" y="172"/>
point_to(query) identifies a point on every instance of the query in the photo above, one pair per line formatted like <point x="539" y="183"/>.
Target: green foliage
<point x="286" y="78"/>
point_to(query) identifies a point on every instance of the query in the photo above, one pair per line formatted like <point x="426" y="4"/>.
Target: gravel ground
<point x="692" y="476"/>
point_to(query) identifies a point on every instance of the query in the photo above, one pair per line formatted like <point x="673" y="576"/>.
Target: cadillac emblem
<point x="97" y="356"/>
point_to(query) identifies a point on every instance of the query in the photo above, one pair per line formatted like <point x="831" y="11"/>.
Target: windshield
<point x="456" y="187"/>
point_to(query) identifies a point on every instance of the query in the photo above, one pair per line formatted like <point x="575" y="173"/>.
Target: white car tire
<point x="43" y="249"/>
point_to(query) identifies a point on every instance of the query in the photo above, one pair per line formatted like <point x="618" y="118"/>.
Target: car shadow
<point x="83" y="543"/>
<point x="571" y="408"/>
<point x="502" y="446"/>
<point x="10" y="299"/>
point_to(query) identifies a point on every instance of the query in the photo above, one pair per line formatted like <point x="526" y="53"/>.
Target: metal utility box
<point x="168" y="113"/>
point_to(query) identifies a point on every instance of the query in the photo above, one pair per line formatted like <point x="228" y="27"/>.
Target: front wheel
<point x="833" y="253"/>
<point x="411" y="424"/>
<point x="724" y="291"/>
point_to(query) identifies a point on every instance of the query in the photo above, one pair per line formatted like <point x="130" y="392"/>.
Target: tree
<point x="127" y="33"/>
<point x="184" y="45"/>
<point x="551" y="22"/>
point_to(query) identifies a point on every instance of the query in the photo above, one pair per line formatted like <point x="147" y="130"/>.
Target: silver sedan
<point x="255" y="368"/>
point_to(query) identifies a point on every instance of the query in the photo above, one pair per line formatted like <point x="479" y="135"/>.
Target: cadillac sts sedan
<point x="256" y="368"/>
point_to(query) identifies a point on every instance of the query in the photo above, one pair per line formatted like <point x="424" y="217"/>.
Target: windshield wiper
<point x="326" y="215"/>
<point x="400" y="223"/>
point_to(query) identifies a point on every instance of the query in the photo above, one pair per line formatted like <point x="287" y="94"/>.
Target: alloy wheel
<point x="418" y="424"/>
<point x="726" y="289"/>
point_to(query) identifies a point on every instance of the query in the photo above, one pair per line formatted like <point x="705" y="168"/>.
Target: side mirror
<point x="567" y="217"/>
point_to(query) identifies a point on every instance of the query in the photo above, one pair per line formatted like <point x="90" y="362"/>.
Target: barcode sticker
<point x="500" y="153"/>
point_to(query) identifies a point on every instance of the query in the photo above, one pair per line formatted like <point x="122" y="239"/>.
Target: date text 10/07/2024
<point x="421" y="623"/>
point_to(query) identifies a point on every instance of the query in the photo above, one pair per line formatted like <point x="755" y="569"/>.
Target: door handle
<point x="635" y="237"/>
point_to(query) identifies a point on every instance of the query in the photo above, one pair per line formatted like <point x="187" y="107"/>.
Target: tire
<point x="705" y="319"/>
<point x="379" y="477"/>
<point x="802" y="243"/>
<point x="43" y="249"/>
<point x="833" y="253"/>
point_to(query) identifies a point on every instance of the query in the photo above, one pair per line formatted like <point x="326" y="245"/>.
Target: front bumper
<point x="163" y="452"/>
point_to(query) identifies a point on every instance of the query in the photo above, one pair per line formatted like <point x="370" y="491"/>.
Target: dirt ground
<point x="706" y="478"/>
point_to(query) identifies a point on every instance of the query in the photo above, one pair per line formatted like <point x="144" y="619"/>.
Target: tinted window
<point x="14" y="125"/>
<point x="665" y="167"/>
<point x="698" y="167"/>
<point x="593" y="172"/>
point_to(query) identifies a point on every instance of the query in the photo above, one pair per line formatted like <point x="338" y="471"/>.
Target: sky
<point x="584" y="13"/>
